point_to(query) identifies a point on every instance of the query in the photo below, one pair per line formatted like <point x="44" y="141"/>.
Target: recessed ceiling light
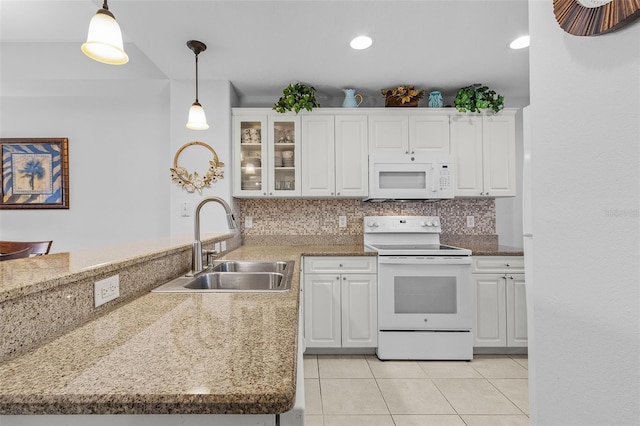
<point x="361" y="42"/>
<point x="520" y="42"/>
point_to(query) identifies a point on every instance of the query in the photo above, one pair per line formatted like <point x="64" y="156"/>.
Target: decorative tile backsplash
<point x="320" y="217"/>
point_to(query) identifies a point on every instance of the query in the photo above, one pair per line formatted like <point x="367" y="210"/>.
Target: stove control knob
<point x="372" y="224"/>
<point x="436" y="223"/>
<point x="429" y="223"/>
<point x="423" y="223"/>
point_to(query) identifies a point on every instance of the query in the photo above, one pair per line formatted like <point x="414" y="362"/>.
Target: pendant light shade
<point x="197" y="118"/>
<point x="104" y="40"/>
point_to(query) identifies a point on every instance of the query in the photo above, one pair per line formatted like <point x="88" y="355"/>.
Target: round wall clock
<point x="594" y="17"/>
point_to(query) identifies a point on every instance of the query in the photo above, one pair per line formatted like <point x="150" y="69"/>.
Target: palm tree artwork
<point x="33" y="170"/>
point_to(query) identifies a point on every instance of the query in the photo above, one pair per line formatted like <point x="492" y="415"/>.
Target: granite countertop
<point x="172" y="353"/>
<point x="40" y="273"/>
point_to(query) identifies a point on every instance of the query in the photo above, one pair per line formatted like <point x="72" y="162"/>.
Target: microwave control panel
<point x="444" y="178"/>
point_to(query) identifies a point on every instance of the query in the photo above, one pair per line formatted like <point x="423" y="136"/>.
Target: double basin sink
<point x="235" y="276"/>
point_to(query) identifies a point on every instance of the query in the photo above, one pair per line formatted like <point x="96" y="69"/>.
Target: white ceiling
<point x="263" y="45"/>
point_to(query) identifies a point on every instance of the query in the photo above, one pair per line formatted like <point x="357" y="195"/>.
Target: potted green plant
<point x="477" y="97"/>
<point x="296" y="97"/>
<point x="404" y="95"/>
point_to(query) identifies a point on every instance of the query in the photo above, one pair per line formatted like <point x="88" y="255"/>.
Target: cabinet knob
<point x="413" y="152"/>
<point x="338" y="193"/>
<point x="338" y="278"/>
<point x="344" y="278"/>
<point x="332" y="193"/>
<point x="507" y="265"/>
<point x="340" y="265"/>
<point x="406" y="152"/>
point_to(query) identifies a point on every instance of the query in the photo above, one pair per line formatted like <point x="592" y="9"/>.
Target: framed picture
<point x="35" y="173"/>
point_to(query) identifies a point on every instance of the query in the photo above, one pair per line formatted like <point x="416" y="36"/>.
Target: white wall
<point x="585" y="135"/>
<point x="118" y="150"/>
<point x="215" y="97"/>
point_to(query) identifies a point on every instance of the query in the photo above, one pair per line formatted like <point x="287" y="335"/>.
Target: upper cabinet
<point x="409" y="133"/>
<point x="334" y="156"/>
<point x="324" y="153"/>
<point x="266" y="156"/>
<point x="483" y="151"/>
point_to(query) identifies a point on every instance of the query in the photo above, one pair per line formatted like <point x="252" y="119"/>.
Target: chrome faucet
<point x="196" y="247"/>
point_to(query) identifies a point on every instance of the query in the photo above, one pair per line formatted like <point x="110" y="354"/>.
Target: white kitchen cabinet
<point x="501" y="310"/>
<point x="340" y="302"/>
<point x="334" y="156"/>
<point x="406" y="133"/>
<point x="266" y="156"/>
<point x="483" y="150"/>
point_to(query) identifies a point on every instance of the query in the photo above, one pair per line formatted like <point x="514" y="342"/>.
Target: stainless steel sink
<point x="248" y="266"/>
<point x="234" y="276"/>
<point x="238" y="281"/>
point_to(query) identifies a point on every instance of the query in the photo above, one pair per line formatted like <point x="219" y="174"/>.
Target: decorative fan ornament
<point x="193" y="181"/>
<point x="594" y="17"/>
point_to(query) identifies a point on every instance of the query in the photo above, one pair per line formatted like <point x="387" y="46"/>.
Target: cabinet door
<point x="284" y="156"/>
<point x="322" y="311"/>
<point x="499" y="158"/>
<point x="516" y="310"/>
<point x="318" y="157"/>
<point x="250" y="156"/>
<point x="351" y="159"/>
<point x="429" y="134"/>
<point x="466" y="152"/>
<point x="490" y="318"/>
<point x="359" y="311"/>
<point x="388" y="134"/>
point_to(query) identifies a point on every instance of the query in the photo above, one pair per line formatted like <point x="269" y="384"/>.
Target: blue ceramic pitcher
<point x="350" y="101"/>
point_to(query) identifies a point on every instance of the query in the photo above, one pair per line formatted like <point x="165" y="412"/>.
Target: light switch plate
<point x="342" y="221"/>
<point x="106" y="290"/>
<point x="248" y="222"/>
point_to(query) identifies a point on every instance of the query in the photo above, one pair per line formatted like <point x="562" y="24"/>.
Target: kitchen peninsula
<point x="171" y="354"/>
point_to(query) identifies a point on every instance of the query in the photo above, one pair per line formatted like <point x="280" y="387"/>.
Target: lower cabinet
<point x="340" y="302"/>
<point x="501" y="306"/>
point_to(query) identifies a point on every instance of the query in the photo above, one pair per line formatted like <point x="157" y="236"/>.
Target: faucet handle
<point x="210" y="255"/>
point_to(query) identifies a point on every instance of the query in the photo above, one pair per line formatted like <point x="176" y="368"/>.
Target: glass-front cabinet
<point x="266" y="156"/>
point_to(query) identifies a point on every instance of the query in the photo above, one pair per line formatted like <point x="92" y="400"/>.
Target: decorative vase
<point x="435" y="100"/>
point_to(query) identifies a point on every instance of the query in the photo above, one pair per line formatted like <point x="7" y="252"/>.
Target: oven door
<point x="424" y="293"/>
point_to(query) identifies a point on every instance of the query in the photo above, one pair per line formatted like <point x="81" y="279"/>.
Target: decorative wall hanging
<point x="193" y="181"/>
<point x="35" y="173"/>
<point x="594" y="17"/>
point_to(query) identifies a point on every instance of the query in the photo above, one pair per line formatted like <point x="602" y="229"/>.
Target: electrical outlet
<point x="106" y="290"/>
<point x="248" y="222"/>
<point x="223" y="246"/>
<point x="342" y="221"/>
<point x="471" y="221"/>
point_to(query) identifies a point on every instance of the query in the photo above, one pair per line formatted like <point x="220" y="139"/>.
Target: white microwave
<point x="410" y="177"/>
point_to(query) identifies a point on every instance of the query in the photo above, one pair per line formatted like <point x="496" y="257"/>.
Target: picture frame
<point x="35" y="173"/>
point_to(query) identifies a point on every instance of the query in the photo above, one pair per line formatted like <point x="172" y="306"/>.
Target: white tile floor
<point x="354" y="390"/>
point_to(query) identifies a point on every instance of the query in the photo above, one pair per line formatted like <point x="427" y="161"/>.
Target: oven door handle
<point x="424" y="260"/>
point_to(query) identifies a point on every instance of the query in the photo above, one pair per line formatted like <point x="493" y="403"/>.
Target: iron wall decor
<point x="35" y="173"/>
<point x="594" y="17"/>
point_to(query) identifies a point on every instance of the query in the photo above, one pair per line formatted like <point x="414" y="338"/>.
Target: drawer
<point x="340" y="264"/>
<point x="497" y="264"/>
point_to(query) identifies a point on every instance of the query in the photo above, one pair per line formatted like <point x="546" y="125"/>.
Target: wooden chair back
<point x="25" y="252"/>
<point x="38" y="248"/>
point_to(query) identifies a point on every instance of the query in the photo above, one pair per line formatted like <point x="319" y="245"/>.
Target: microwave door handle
<point x="433" y="179"/>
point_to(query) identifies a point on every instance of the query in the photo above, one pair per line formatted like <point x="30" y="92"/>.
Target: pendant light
<point x="197" y="119"/>
<point x="104" y="41"/>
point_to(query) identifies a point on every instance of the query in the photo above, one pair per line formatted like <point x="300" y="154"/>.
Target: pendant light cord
<point x="196" y="77"/>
